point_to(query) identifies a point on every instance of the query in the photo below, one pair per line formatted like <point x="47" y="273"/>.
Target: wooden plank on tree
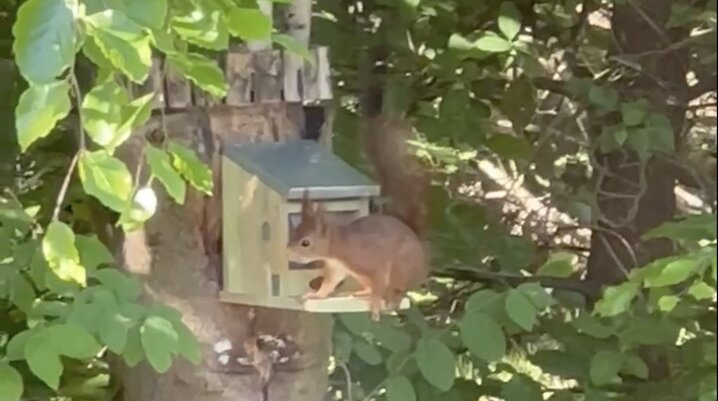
<point x="178" y="89"/>
<point x="310" y="79"/>
<point x="324" y="77"/>
<point x="298" y="17"/>
<point x="267" y="80"/>
<point x="239" y="77"/>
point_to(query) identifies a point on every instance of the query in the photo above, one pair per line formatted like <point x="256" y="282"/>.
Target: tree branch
<point x="587" y="288"/>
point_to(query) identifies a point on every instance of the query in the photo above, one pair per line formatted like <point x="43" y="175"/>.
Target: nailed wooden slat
<point x="239" y="77"/>
<point x="178" y="89"/>
<point x="202" y="98"/>
<point x="298" y="17"/>
<point x="267" y="81"/>
<point x="324" y="73"/>
<point x="310" y="83"/>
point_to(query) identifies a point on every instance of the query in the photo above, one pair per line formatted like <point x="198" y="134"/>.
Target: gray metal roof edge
<point x="290" y="193"/>
<point x="334" y="192"/>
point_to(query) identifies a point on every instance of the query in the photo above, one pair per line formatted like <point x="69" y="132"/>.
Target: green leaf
<point x="73" y="341"/>
<point x="482" y="299"/>
<point x="22" y="294"/>
<point x="509" y="20"/>
<point x="122" y="42"/>
<point x="635" y="366"/>
<point x="617" y="299"/>
<point x="343" y="344"/>
<point x="668" y="302"/>
<point x="202" y="71"/>
<point x="15" y="348"/>
<point x="520" y="309"/>
<point x="159" y="341"/>
<point x="161" y="167"/>
<point x="647" y="331"/>
<point x="605" y="366"/>
<point x="203" y="27"/>
<point x="357" y="323"/>
<point x="188" y="345"/>
<point x="701" y="291"/>
<point x="399" y="388"/>
<point x="93" y="252"/>
<point x="592" y="326"/>
<point x="454" y="103"/>
<point x="436" y="362"/>
<point x="483" y="336"/>
<point x="44" y="45"/>
<point x="692" y="228"/>
<point x="151" y="14"/>
<point x="460" y="43"/>
<point x="124" y="287"/>
<point x="42" y="359"/>
<point x="249" y="24"/>
<point x="58" y="247"/>
<point x="674" y="273"/>
<point x="604" y="98"/>
<point x="39" y="109"/>
<point x="293" y="46"/>
<point x="521" y="388"/>
<point x="493" y="44"/>
<point x="518" y="104"/>
<point x="113" y="329"/>
<point x="508" y="146"/>
<point x="367" y="352"/>
<point x="660" y="132"/>
<point x="640" y="141"/>
<point x="559" y="264"/>
<point x="634" y="112"/>
<point x="391" y="337"/>
<point x="186" y="162"/>
<point x="537" y="295"/>
<point x="108" y="115"/>
<point x="11" y="386"/>
<point x="106" y="178"/>
<point x="133" y="354"/>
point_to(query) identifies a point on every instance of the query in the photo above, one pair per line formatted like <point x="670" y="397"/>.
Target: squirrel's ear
<point x="321" y="217"/>
<point x="306" y="205"/>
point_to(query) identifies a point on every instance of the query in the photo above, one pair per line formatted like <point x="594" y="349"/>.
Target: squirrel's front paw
<point x="311" y="295"/>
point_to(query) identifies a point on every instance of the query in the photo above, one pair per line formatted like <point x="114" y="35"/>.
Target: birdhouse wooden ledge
<point x="262" y="188"/>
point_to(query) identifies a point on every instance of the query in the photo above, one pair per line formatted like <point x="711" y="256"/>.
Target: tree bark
<point x="174" y="256"/>
<point x="634" y="197"/>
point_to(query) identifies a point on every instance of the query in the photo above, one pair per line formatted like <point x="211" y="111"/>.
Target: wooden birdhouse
<point x="262" y="189"/>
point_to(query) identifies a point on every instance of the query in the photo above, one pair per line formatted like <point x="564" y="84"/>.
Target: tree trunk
<point x="173" y="257"/>
<point x="634" y="197"/>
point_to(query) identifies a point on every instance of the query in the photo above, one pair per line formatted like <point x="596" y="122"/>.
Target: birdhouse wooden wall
<point x="263" y="187"/>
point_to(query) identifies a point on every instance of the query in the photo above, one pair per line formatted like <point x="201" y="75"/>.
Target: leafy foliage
<point x="63" y="303"/>
<point x="539" y="90"/>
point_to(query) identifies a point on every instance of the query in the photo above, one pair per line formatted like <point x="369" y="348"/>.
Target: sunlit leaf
<point x="44" y="44"/>
<point x="39" y="109"/>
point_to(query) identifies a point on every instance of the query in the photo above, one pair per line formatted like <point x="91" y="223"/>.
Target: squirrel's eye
<point x="305" y="243"/>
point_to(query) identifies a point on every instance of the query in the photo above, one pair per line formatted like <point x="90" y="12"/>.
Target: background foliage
<point x="524" y="109"/>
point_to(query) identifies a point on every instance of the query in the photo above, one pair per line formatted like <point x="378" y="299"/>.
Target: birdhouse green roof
<point x="291" y="167"/>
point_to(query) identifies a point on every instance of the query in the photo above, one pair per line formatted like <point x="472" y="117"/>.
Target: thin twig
<point x="584" y="287"/>
<point x="65" y="186"/>
<point x="73" y="163"/>
<point x="348" y="377"/>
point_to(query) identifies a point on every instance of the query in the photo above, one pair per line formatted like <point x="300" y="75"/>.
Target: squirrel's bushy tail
<point x="385" y="138"/>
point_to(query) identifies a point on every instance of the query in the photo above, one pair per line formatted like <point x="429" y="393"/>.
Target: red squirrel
<point x="384" y="253"/>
